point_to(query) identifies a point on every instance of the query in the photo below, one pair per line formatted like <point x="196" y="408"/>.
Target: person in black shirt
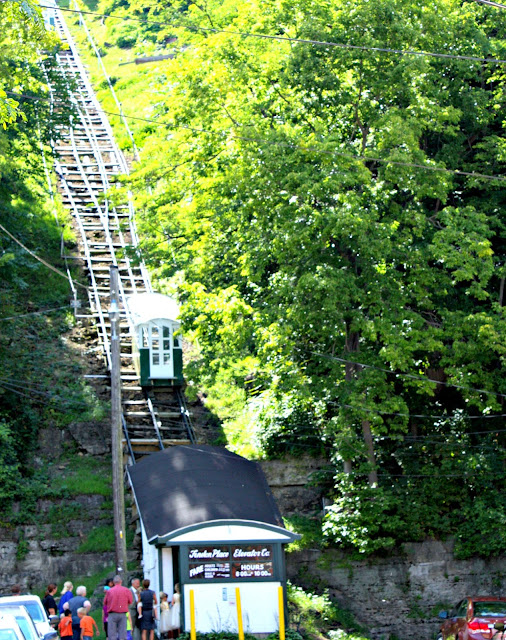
<point x="48" y="601"/>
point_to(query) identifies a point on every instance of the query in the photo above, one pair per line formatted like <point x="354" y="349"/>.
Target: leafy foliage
<point x="314" y="615"/>
<point x="38" y="383"/>
<point x="321" y="212"/>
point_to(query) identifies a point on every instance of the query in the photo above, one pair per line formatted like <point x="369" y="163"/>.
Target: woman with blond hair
<point x="66" y="595"/>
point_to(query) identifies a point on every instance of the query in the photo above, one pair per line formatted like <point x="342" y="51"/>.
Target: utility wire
<point x="41" y="260"/>
<point x="265" y="36"/>
<point x="416" y="415"/>
<point x="64" y="402"/>
<point x="33" y="313"/>
<point x="288" y="145"/>
<point x="408" y="375"/>
<point x="492" y="4"/>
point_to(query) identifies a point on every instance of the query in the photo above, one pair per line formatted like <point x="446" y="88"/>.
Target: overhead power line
<point x="418" y="415"/>
<point x="492" y="4"/>
<point x="287" y="145"/>
<point x="33" y="313"/>
<point x="408" y="375"/>
<point x="288" y="39"/>
<point x="41" y="260"/>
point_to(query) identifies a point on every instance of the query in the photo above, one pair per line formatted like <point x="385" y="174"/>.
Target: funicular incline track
<point x="86" y="157"/>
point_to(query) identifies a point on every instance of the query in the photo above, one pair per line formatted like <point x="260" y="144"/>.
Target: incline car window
<point x="490" y="609"/>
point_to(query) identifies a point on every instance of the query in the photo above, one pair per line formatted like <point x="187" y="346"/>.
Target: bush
<point x="290" y="426"/>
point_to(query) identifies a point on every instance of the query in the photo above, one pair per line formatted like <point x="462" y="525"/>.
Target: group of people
<point x="128" y="613"/>
<point x="143" y="612"/>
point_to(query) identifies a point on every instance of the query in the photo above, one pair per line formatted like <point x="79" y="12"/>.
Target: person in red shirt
<point x="87" y="623"/>
<point x="116" y="602"/>
<point x="65" y="625"/>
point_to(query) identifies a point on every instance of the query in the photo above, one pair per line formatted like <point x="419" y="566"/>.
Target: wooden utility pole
<point x="118" y="492"/>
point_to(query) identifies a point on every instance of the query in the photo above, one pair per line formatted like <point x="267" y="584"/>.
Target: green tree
<point x="321" y="207"/>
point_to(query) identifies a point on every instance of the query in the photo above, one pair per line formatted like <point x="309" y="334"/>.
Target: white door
<point x="161" y="364"/>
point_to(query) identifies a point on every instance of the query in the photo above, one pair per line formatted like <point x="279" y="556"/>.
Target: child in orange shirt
<point x="65" y="624"/>
<point x="86" y="623"/>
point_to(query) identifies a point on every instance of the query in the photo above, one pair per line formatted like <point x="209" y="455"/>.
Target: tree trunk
<point x="351" y="346"/>
<point x="373" y="474"/>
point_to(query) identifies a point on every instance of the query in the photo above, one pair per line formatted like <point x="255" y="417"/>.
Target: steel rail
<point x="89" y="157"/>
<point x="96" y="51"/>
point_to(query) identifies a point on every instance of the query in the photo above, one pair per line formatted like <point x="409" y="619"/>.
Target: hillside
<point x="329" y="218"/>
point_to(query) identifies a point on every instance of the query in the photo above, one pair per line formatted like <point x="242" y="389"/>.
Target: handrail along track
<point x="86" y="156"/>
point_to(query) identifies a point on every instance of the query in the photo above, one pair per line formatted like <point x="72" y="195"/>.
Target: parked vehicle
<point x="9" y="628"/>
<point x="25" y="622"/>
<point x="480" y="618"/>
<point x="37" y="612"/>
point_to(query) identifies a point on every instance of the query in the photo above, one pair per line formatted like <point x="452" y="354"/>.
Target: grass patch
<point x="98" y="540"/>
<point x="101" y="540"/>
<point x="314" y="615"/>
<point x="86" y="475"/>
<point x="309" y="528"/>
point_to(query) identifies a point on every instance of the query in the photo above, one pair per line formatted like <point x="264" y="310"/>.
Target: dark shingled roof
<point x="192" y="484"/>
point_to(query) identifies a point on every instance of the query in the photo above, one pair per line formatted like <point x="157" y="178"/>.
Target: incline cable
<point x="266" y="36"/>
<point x="289" y="145"/>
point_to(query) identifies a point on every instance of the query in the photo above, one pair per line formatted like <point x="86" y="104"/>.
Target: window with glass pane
<point x="155" y="357"/>
<point x="166" y="357"/>
<point x="166" y="332"/>
<point x="176" y="342"/>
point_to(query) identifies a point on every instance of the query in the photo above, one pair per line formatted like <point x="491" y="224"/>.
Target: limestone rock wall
<point x="291" y="482"/>
<point x="34" y="555"/>
<point x="401" y="595"/>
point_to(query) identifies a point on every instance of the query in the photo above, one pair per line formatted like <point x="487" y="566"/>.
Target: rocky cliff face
<point x="34" y="555"/>
<point x="400" y="595"/>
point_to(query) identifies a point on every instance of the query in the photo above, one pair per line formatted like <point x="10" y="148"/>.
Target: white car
<point x="24" y="620"/>
<point x="9" y="628"/>
<point x="37" y="612"/>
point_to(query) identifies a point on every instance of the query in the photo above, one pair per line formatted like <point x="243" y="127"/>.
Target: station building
<point x="210" y="523"/>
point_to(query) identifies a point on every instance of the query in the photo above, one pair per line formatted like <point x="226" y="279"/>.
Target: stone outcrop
<point x="400" y="595"/>
<point x="292" y="484"/>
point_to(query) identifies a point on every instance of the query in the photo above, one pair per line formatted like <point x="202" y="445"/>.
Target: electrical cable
<point x="289" y="145"/>
<point x="41" y="260"/>
<point x="63" y="402"/>
<point x="417" y="415"/>
<point x="265" y="36"/>
<point x="408" y="375"/>
<point x="492" y="4"/>
<point x="33" y="313"/>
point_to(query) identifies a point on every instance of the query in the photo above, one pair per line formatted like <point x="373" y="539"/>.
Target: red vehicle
<point x="475" y="619"/>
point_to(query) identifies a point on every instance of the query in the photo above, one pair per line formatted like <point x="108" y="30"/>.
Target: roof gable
<point x="188" y="485"/>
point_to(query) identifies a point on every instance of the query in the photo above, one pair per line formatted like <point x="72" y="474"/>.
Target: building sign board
<point x="213" y="562"/>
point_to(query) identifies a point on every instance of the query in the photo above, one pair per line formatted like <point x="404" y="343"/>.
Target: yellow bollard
<point x="193" y="631"/>
<point x="239" y="613"/>
<point x="281" y="603"/>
